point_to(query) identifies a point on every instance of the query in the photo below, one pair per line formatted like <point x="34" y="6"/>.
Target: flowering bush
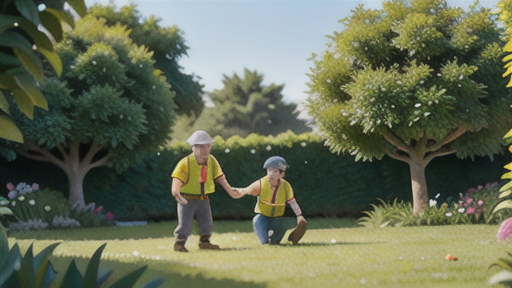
<point x="29" y="204"/>
<point x="475" y="206"/>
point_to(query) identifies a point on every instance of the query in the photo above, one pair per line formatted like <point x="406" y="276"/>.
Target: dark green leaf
<point x="31" y="62"/>
<point x="9" y="131"/>
<point x="91" y="274"/>
<point x="104" y="277"/>
<point x="129" y="280"/>
<point x="154" y="283"/>
<point x="72" y="278"/>
<point x="7" y="22"/>
<point x="54" y="4"/>
<point x="7" y="60"/>
<point x="14" y="257"/>
<point x="24" y="102"/>
<point x="49" y="276"/>
<point x="28" y="85"/>
<point x="38" y="37"/>
<point x="62" y="16"/>
<point x="52" y="24"/>
<point x="41" y="262"/>
<point x="26" y="273"/>
<point x="29" y="10"/>
<point x="4" y="106"/>
<point x="78" y="6"/>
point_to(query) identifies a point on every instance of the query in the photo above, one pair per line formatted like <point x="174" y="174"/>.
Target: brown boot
<point x="297" y="234"/>
<point x="204" y="243"/>
<point x="180" y="247"/>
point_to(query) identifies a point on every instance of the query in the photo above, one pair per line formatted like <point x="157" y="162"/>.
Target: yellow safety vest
<point x="272" y="203"/>
<point x="192" y="184"/>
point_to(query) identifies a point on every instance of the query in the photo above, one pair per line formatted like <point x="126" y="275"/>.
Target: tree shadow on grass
<point x="173" y="274"/>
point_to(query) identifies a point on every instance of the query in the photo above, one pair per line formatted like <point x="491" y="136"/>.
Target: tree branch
<point x="46" y="156"/>
<point x="63" y="153"/>
<point x="440" y="152"/>
<point x="90" y="154"/>
<point x="100" y="162"/>
<point x="452" y="136"/>
<point x="399" y="157"/>
<point x="395" y="141"/>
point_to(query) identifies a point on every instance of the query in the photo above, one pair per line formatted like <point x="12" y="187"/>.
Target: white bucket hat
<point x="199" y="137"/>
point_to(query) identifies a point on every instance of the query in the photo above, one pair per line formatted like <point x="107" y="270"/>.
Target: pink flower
<point x="469" y="200"/>
<point x="480" y="187"/>
<point x="35" y="186"/>
<point x="470" y="210"/>
<point x="98" y="209"/>
<point x="10" y="186"/>
<point x="480" y="202"/>
<point x="109" y="216"/>
<point x="488" y="185"/>
<point x="505" y="230"/>
<point x="471" y="190"/>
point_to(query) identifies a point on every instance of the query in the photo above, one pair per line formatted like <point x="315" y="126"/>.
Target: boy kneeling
<point x="273" y="193"/>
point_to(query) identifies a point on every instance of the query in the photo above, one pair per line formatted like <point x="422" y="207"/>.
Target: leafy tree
<point x="21" y="42"/>
<point x="109" y="106"/>
<point x="414" y="81"/>
<point x="167" y="45"/>
<point x="246" y="106"/>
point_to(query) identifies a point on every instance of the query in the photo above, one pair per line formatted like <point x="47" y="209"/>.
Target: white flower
<point x="47" y="208"/>
<point x="432" y="203"/>
<point x="135" y="253"/>
<point x="460" y="210"/>
<point x="13" y="203"/>
<point x="449" y="214"/>
<point x="253" y="151"/>
<point x="21" y="198"/>
<point x="417" y="105"/>
<point x="227" y="150"/>
<point x="303" y="144"/>
<point x="333" y="241"/>
<point x="269" y="148"/>
<point x="32" y="202"/>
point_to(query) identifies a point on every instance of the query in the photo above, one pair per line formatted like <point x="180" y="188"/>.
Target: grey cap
<point x="276" y="162"/>
<point x="199" y="137"/>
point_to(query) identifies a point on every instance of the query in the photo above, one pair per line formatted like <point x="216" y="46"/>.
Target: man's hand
<point x="236" y="193"/>
<point x="180" y="199"/>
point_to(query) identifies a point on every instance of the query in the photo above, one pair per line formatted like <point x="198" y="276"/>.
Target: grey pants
<point x="203" y="212"/>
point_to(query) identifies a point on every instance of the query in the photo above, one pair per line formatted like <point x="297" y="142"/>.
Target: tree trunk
<point x="76" y="188"/>
<point x="419" y="186"/>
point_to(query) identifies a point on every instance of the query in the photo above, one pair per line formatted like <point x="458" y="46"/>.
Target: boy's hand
<point x="236" y="193"/>
<point x="180" y="199"/>
<point x="300" y="219"/>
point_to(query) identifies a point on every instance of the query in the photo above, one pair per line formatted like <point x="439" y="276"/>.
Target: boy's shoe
<point x="180" y="247"/>
<point x="297" y="234"/>
<point x="204" y="243"/>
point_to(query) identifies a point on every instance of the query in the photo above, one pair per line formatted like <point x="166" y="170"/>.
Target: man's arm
<point x="296" y="210"/>
<point x="224" y="183"/>
<point x="176" y="187"/>
<point x="254" y="189"/>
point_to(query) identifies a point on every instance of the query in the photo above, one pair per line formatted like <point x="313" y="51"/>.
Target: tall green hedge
<point x="324" y="183"/>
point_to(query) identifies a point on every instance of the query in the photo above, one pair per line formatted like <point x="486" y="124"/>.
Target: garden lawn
<point x="334" y="253"/>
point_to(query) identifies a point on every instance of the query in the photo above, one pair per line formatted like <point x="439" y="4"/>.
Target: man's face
<point x="202" y="150"/>
<point x="274" y="174"/>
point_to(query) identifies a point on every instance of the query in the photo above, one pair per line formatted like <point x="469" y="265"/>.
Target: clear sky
<point x="273" y="37"/>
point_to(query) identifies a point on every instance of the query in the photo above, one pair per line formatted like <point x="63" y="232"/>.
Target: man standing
<point x="192" y="181"/>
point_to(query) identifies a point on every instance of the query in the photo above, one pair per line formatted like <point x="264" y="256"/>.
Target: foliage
<point x="167" y="46"/>
<point x="245" y="106"/>
<point x="109" y="107"/>
<point x="414" y="81"/>
<point x="21" y="45"/>
<point x="503" y="278"/>
<point x="475" y="206"/>
<point x="35" y="209"/>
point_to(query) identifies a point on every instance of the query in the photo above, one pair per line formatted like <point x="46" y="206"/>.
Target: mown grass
<point x="334" y="253"/>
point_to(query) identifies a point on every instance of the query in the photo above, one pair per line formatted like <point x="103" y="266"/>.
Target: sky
<point x="275" y="38"/>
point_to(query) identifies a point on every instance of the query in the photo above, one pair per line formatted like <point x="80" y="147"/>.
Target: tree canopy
<point x="245" y="105"/>
<point x="167" y="45"/>
<point x="109" y="106"/>
<point x="414" y="81"/>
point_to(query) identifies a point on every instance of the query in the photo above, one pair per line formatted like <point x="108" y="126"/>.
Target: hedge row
<point x="324" y="183"/>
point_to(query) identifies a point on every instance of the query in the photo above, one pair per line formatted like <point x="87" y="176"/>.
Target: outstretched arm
<point x="253" y="189"/>
<point x="296" y="210"/>
<point x="224" y="183"/>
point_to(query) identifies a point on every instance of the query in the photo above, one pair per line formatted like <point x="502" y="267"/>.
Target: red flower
<point x="98" y="209"/>
<point x="109" y="216"/>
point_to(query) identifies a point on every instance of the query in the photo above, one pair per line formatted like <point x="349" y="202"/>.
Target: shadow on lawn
<point x="316" y="244"/>
<point x="173" y="274"/>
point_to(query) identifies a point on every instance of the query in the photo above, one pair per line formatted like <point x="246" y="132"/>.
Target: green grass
<point x="359" y="257"/>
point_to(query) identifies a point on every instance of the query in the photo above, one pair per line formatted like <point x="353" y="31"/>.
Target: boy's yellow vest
<point x="270" y="205"/>
<point x="192" y="185"/>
